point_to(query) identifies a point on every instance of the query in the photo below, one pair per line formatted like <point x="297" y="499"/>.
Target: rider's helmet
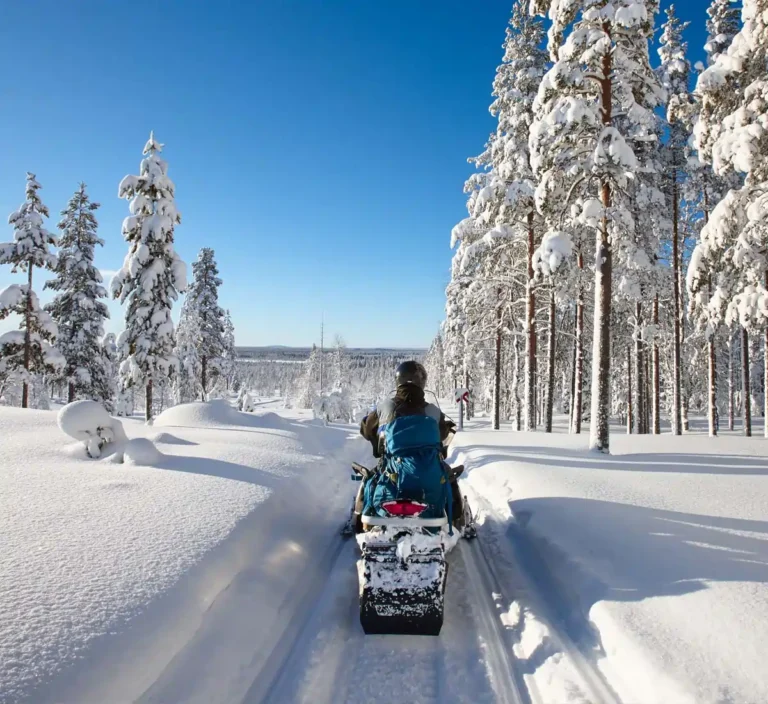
<point x="411" y="373"/>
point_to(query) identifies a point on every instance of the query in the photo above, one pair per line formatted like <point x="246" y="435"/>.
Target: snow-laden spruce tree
<point x="27" y="353"/>
<point x="152" y="275"/>
<point x="723" y="25"/>
<point x="203" y="305"/>
<point x="600" y="91"/>
<point x="229" y="358"/>
<point x="186" y="382"/>
<point x="732" y="132"/>
<point x="77" y="308"/>
<point x="28" y="250"/>
<point x="498" y="239"/>
<point x="675" y="73"/>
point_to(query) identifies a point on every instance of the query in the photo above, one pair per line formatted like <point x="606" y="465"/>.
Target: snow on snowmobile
<point x="402" y="569"/>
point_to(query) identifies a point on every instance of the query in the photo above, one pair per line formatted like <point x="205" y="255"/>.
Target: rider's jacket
<point x="408" y="401"/>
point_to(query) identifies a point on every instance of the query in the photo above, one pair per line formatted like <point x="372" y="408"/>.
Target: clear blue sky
<point x="319" y="146"/>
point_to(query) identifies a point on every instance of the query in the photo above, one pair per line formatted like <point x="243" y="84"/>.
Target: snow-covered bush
<point x="335" y="407"/>
<point x="90" y="423"/>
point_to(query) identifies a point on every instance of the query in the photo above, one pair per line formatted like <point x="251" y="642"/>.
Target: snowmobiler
<point x="402" y="509"/>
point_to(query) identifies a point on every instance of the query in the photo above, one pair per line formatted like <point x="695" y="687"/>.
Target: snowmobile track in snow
<point x="324" y="657"/>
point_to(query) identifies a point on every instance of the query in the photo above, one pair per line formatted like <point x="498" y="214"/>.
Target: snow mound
<point x="141" y="451"/>
<point x="90" y="423"/>
<point x="200" y="415"/>
<point x="217" y="413"/>
<point x="169" y="439"/>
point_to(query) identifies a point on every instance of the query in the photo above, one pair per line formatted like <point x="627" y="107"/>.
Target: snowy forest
<point x="61" y="349"/>
<point x="622" y="198"/>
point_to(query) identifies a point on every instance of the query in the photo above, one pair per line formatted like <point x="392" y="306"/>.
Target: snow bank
<point x="141" y="451"/>
<point x="656" y="555"/>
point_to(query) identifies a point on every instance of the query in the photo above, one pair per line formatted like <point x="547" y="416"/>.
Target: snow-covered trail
<point x="487" y="651"/>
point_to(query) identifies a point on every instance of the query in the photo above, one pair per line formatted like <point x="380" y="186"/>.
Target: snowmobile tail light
<point x="404" y="508"/>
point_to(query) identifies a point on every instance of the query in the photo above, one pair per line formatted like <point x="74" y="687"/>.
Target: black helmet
<point x="411" y="373"/>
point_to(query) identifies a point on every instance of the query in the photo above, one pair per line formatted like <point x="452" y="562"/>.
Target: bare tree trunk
<point x="497" y="375"/>
<point x="731" y="384"/>
<point x="601" y="355"/>
<point x="579" y="366"/>
<point x="656" y="372"/>
<point x="530" y="335"/>
<point x="148" y="402"/>
<point x="71" y="392"/>
<point x="27" y="340"/>
<point x="745" y="383"/>
<point x="550" y="365"/>
<point x="204" y="377"/>
<point x="648" y="393"/>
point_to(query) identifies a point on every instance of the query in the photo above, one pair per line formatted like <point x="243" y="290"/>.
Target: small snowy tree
<point x="152" y="275"/>
<point x="203" y="305"/>
<point x="77" y="308"/>
<point x="722" y="26"/>
<point x="187" y="378"/>
<point x="229" y="356"/>
<point x="28" y="250"/>
<point x="27" y="352"/>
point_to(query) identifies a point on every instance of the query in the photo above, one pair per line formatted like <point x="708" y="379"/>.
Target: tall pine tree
<point x="77" y="308"/>
<point x="28" y="352"/>
<point x="203" y="304"/>
<point x="152" y="275"/>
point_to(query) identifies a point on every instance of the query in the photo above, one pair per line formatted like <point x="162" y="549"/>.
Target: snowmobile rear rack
<point x="407" y="522"/>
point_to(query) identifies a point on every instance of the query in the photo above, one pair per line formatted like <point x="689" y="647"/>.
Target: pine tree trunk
<point x="765" y="380"/>
<point x="731" y="384"/>
<point x="550" y="365"/>
<point x="637" y="427"/>
<point x="630" y="414"/>
<point x="468" y="409"/>
<point x="656" y="372"/>
<point x="745" y="383"/>
<point x="204" y="377"/>
<point x="648" y="393"/>
<point x="572" y="390"/>
<point x="148" y="403"/>
<point x="515" y="385"/>
<point x="601" y="354"/>
<point x="497" y="375"/>
<point x="677" y="423"/>
<point x="70" y="392"/>
<point x="27" y="340"/>
<point x="530" y="335"/>
<point x="712" y="388"/>
<point x="579" y="372"/>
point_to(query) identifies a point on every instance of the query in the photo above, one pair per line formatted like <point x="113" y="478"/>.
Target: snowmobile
<point x="402" y="568"/>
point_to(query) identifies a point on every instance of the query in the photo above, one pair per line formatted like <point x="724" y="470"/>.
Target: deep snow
<point x="218" y="574"/>
<point x="654" y="559"/>
<point x="107" y="570"/>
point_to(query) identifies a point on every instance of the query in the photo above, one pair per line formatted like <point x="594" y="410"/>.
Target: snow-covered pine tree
<point x="29" y="352"/>
<point x="731" y="131"/>
<point x="187" y="379"/>
<point x="203" y="297"/>
<point x="229" y="358"/>
<point x="601" y="79"/>
<point x="77" y="308"/>
<point x="675" y="73"/>
<point x="152" y="275"/>
<point x="497" y="241"/>
<point x="28" y="250"/>
<point x="722" y="26"/>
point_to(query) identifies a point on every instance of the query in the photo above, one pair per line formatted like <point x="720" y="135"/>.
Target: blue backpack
<point x="411" y="468"/>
